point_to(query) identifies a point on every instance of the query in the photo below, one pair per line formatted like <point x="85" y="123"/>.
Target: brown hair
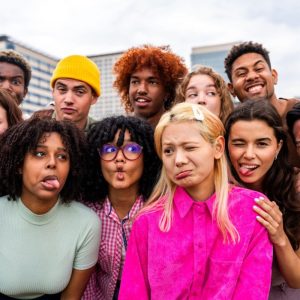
<point x="226" y="102"/>
<point x="9" y="104"/>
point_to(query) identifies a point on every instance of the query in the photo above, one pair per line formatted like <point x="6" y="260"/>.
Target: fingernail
<point x="257" y="199"/>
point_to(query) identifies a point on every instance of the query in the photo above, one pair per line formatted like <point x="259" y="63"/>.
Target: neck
<point x="36" y="205"/>
<point x="122" y="200"/>
<point x="152" y="120"/>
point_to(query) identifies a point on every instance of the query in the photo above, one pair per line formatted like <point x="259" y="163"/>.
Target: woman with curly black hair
<point x="49" y="243"/>
<point x="258" y="157"/>
<point x="123" y="168"/>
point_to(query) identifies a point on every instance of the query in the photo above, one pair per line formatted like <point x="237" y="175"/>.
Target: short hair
<point x="103" y="132"/>
<point x="168" y="66"/>
<point x="210" y="128"/>
<point x="24" y="137"/>
<point x="15" y="58"/>
<point x="278" y="183"/>
<point x="291" y="117"/>
<point x="241" y="49"/>
<point x="221" y="87"/>
<point x="9" y="104"/>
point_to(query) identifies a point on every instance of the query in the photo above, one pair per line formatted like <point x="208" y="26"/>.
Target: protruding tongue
<point x="245" y="171"/>
<point x="52" y="183"/>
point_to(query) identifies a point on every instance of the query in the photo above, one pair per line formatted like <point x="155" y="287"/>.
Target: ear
<point x="25" y="91"/>
<point x="219" y="147"/>
<point x="231" y="89"/>
<point x="94" y="99"/>
<point x="279" y="146"/>
<point x="275" y="76"/>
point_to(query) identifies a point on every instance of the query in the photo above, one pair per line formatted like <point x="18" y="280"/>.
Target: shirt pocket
<point x="221" y="278"/>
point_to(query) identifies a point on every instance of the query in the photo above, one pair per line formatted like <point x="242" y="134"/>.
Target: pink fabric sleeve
<point x="257" y="263"/>
<point x="134" y="282"/>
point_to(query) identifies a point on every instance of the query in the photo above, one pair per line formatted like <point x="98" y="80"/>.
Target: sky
<point x="64" y="27"/>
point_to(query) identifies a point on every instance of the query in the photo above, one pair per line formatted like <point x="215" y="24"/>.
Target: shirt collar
<point x="184" y="202"/>
<point x="110" y="212"/>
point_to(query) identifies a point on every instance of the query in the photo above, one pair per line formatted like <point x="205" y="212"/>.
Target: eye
<point x="39" y="153"/>
<point x="80" y="92"/>
<point x="62" y="156"/>
<point x="168" y="151"/>
<point x="134" y="148"/>
<point x="190" y="148"/>
<point x="108" y="149"/>
<point x="134" y="81"/>
<point x="16" y="81"/>
<point x="212" y="94"/>
<point x="262" y="144"/>
<point x="192" y="95"/>
<point x="238" y="144"/>
<point x="153" y="82"/>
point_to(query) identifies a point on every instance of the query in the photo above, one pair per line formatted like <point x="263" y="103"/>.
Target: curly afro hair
<point x="24" y="137"/>
<point x="103" y="132"/>
<point x="244" y="48"/>
<point x="169" y="67"/>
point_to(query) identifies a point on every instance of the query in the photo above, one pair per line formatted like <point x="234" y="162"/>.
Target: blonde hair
<point x="221" y="87"/>
<point x="162" y="196"/>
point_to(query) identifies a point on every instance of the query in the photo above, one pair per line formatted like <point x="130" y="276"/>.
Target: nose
<point x="180" y="158"/>
<point x="201" y="99"/>
<point x="69" y="99"/>
<point x="51" y="163"/>
<point x="142" y="88"/>
<point x="120" y="156"/>
<point x="252" y="74"/>
<point x="249" y="152"/>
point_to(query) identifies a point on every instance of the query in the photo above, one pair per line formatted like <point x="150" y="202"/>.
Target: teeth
<point x="141" y="100"/>
<point x="255" y="89"/>
<point x="249" y="166"/>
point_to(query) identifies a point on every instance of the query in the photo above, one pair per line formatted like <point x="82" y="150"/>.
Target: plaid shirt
<point x="114" y="234"/>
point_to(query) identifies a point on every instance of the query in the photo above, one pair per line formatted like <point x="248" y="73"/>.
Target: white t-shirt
<point x="39" y="252"/>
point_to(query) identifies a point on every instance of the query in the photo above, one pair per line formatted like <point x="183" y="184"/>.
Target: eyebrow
<point x="207" y="86"/>
<point x="43" y="146"/>
<point x="255" y="64"/>
<point x="147" y="78"/>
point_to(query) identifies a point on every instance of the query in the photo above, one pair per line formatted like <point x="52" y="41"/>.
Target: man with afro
<point x="146" y="79"/>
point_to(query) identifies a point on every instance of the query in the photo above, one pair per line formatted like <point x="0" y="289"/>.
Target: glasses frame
<point x="120" y="149"/>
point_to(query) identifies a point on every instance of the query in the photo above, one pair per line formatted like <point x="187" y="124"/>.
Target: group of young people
<point x="186" y="197"/>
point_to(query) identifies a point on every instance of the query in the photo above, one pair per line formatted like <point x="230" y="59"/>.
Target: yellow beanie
<point x="80" y="68"/>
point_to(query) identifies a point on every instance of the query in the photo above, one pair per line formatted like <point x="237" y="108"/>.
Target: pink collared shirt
<point x="114" y="236"/>
<point x="191" y="261"/>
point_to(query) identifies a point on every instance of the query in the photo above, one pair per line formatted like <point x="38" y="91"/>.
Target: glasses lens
<point x="108" y="152"/>
<point x="132" y="151"/>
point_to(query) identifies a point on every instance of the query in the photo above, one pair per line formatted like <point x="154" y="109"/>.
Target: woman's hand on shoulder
<point x="270" y="216"/>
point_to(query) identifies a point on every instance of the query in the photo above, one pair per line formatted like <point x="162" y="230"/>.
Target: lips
<point x="68" y="110"/>
<point x="142" y="101"/>
<point x="183" y="174"/>
<point x="50" y="183"/>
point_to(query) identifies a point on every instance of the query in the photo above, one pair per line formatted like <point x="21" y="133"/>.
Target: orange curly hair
<point x="168" y="66"/>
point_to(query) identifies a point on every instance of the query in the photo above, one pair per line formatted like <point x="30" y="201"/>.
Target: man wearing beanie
<point x="75" y="87"/>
